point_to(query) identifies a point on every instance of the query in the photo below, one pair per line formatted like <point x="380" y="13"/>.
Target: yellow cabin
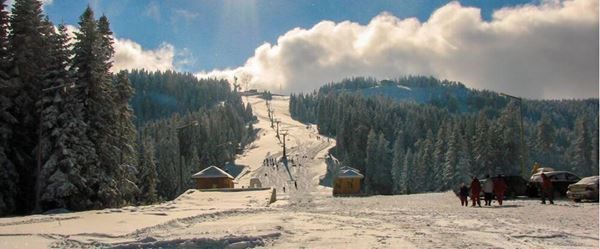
<point x="213" y="177"/>
<point x="347" y="182"/>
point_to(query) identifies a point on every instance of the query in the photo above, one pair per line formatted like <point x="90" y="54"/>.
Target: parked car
<point x="516" y="185"/>
<point x="544" y="169"/>
<point x="560" y="181"/>
<point x="586" y="189"/>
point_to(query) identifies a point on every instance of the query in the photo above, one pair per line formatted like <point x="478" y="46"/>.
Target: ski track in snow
<point x="307" y="217"/>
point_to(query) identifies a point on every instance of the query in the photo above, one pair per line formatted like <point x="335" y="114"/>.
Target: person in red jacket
<point x="499" y="189"/>
<point x="547" y="189"/>
<point x="475" y="191"/>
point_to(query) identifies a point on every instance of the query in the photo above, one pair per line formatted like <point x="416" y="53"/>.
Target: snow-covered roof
<point x="342" y="169"/>
<point x="350" y="174"/>
<point x="212" y="172"/>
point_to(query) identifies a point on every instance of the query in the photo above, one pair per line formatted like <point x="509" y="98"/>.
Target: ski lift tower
<point x="284" y="157"/>
<point x="277" y="121"/>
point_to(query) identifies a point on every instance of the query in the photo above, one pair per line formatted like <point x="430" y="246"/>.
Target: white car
<point x="587" y="188"/>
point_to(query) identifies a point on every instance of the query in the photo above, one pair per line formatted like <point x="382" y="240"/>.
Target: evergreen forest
<point x="74" y="135"/>
<point x="419" y="134"/>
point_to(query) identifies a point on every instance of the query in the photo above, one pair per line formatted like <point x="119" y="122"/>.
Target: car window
<point x="558" y="177"/>
<point x="571" y="177"/>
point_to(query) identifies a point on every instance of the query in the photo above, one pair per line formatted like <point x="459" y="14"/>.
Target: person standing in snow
<point x="547" y="189"/>
<point x="488" y="190"/>
<point x="463" y="194"/>
<point x="475" y="191"/>
<point x="499" y="189"/>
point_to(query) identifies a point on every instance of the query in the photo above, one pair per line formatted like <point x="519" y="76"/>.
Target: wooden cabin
<point x="347" y="181"/>
<point x="213" y="177"/>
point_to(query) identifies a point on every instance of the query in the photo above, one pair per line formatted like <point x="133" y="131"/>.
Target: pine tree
<point x="464" y="164"/>
<point x="28" y="48"/>
<point x="371" y="162"/>
<point x="423" y="172"/>
<point x="63" y="185"/>
<point x="4" y="32"/>
<point x="544" y="142"/>
<point x="508" y="147"/>
<point x="125" y="135"/>
<point x="454" y="146"/>
<point x="8" y="172"/>
<point x="439" y="155"/>
<point x="406" y="177"/>
<point x="249" y="116"/>
<point x="383" y="175"/>
<point x="594" y="152"/>
<point x="581" y="162"/>
<point x="397" y="164"/>
<point x="92" y="64"/>
<point x="482" y="146"/>
<point x="148" y="176"/>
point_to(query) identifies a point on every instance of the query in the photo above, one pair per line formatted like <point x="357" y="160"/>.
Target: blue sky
<point x="527" y="48"/>
<point x="218" y="34"/>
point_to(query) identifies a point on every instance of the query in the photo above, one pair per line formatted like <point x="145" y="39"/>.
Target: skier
<point x="464" y="194"/>
<point x="475" y="190"/>
<point x="488" y="190"/>
<point x="499" y="189"/>
<point x="547" y="189"/>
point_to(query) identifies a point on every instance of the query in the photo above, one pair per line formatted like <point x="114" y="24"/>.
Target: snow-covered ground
<point x="308" y="217"/>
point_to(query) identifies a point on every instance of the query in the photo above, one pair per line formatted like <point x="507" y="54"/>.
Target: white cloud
<point x="544" y="51"/>
<point x="131" y="55"/>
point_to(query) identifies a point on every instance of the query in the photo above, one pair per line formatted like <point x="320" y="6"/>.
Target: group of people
<point x="491" y="187"/>
<point x="270" y="162"/>
<point x="497" y="187"/>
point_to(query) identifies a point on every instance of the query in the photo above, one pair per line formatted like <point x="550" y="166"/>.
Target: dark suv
<point x="560" y="182"/>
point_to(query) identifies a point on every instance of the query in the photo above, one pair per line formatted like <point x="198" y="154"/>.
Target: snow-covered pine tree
<point x="92" y="65"/>
<point x="249" y="116"/>
<point x="482" y="146"/>
<point x="147" y="176"/>
<point x="454" y="146"/>
<point x="464" y="164"/>
<point x="594" y="152"/>
<point x="423" y="172"/>
<point x="581" y="159"/>
<point x="543" y="147"/>
<point x="508" y="147"/>
<point x="28" y="51"/>
<point x="4" y="30"/>
<point x="67" y="146"/>
<point x="439" y="155"/>
<point x="383" y="174"/>
<point x="193" y="166"/>
<point x="167" y="158"/>
<point x="371" y="162"/>
<point x="125" y="134"/>
<point x="397" y="164"/>
<point x="8" y="172"/>
<point x="406" y="177"/>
